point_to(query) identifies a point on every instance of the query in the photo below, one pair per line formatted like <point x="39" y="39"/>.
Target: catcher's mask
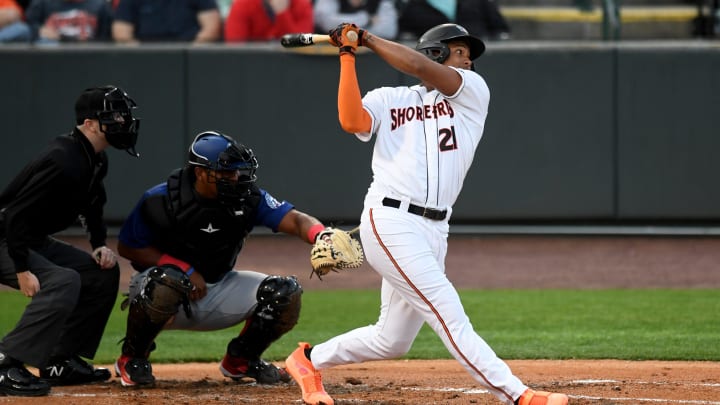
<point x="220" y="153"/>
<point x="433" y="43"/>
<point x="113" y="108"/>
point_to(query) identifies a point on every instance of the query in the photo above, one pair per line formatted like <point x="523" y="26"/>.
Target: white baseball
<point x="352" y="36"/>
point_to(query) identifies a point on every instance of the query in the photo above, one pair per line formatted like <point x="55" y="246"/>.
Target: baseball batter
<point x="425" y="140"/>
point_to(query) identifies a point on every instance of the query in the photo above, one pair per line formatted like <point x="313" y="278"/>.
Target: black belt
<point x="429" y="213"/>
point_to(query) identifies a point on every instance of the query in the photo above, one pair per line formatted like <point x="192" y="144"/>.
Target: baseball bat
<point x="303" y="39"/>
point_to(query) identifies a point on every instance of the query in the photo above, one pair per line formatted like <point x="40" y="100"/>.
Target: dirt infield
<point x="420" y="382"/>
<point x="473" y="262"/>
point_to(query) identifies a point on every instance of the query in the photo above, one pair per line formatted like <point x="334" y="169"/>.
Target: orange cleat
<point x="530" y="397"/>
<point x="310" y="380"/>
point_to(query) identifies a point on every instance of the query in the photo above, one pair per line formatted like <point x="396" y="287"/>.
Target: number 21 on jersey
<point x="447" y="139"/>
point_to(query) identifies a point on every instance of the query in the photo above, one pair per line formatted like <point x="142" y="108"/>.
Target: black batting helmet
<point x="433" y="43"/>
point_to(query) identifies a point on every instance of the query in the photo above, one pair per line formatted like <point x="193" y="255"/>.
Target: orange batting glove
<point x="347" y="37"/>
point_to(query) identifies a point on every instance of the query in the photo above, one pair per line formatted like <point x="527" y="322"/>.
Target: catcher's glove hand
<point x="335" y="249"/>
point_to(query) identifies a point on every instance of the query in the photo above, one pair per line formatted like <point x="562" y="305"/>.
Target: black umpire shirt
<point x="63" y="184"/>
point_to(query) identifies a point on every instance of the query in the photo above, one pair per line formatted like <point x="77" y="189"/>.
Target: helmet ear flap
<point x="437" y="51"/>
<point x="440" y="35"/>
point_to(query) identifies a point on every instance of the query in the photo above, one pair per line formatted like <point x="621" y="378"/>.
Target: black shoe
<point x="266" y="373"/>
<point x="16" y="380"/>
<point x="72" y="371"/>
<point x="258" y="369"/>
<point x="134" y="371"/>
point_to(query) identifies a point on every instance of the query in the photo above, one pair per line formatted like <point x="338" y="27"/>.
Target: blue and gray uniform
<point x="208" y="235"/>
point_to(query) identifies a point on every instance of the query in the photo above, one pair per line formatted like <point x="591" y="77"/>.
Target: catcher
<point x="183" y="238"/>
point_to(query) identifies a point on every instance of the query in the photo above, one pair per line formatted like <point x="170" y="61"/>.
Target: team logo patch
<point x="271" y="201"/>
<point x="209" y="229"/>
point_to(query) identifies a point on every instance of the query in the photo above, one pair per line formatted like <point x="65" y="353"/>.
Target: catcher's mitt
<point x="335" y="249"/>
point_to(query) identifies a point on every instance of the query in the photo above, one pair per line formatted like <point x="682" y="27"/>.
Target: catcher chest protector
<point x="277" y="312"/>
<point x="163" y="291"/>
<point x="178" y="220"/>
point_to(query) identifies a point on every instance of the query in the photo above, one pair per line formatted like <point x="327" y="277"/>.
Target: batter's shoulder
<point x="394" y="93"/>
<point x="474" y="78"/>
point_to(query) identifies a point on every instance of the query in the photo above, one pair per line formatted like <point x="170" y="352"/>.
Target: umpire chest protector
<point x="204" y="233"/>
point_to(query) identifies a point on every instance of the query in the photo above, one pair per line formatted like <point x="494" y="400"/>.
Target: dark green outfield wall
<point x="611" y="133"/>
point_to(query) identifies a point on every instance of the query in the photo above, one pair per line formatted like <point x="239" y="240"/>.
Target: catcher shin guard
<point x="140" y="332"/>
<point x="164" y="289"/>
<point x="277" y="313"/>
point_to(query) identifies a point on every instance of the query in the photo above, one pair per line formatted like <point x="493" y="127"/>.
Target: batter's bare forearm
<point x="397" y="55"/>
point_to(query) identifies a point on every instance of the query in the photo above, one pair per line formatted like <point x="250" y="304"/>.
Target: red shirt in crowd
<point x="255" y="20"/>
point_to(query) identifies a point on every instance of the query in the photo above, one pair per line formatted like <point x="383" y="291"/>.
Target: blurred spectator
<point x="54" y="21"/>
<point x="12" y="26"/>
<point x="481" y="18"/>
<point x="377" y="16"/>
<point x="264" y="20"/>
<point x="195" y="21"/>
<point x="224" y="7"/>
<point x="707" y="22"/>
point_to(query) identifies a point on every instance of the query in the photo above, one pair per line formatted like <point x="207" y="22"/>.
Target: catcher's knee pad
<point x="279" y="302"/>
<point x="277" y="312"/>
<point x="164" y="289"/>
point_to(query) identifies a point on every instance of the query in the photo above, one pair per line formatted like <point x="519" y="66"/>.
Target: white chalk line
<point x="447" y="389"/>
<point x="479" y="391"/>
<point x="643" y="382"/>
<point x="658" y="400"/>
<point x="471" y="391"/>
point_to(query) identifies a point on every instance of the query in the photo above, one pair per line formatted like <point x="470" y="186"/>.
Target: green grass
<point x="518" y="324"/>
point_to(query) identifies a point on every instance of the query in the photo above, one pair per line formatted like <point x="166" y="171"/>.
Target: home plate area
<point x="600" y="382"/>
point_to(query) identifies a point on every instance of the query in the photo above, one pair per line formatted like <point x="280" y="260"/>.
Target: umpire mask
<point x="113" y="108"/>
<point x="121" y="128"/>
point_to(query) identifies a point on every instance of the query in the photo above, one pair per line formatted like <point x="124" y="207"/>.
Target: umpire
<point x="72" y="292"/>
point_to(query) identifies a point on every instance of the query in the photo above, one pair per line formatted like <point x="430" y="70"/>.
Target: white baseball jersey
<point x="424" y="147"/>
<point x="425" y="141"/>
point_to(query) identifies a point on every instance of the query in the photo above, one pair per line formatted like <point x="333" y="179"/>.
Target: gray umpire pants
<point x="68" y="315"/>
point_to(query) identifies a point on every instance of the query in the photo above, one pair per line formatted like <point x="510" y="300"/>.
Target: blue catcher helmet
<point x="218" y="152"/>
